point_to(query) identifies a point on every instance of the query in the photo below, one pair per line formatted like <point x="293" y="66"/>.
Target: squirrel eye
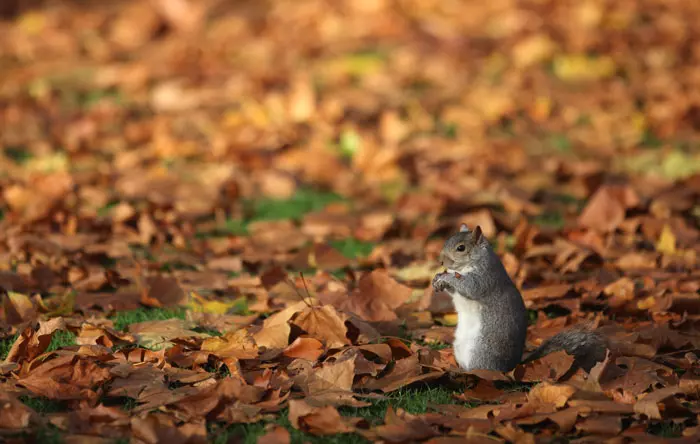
<point x="461" y="248"/>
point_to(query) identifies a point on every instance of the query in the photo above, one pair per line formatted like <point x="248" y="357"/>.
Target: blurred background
<point x="257" y="127"/>
<point x="172" y="165"/>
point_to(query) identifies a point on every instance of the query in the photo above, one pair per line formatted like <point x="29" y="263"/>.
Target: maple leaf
<point x="324" y="323"/>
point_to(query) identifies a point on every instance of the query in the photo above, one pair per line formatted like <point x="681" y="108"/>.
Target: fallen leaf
<point x="307" y="348"/>
<point x="276" y="435"/>
<point x="317" y="420"/>
<point x="376" y="297"/>
<point x="159" y="334"/>
<point x="667" y="241"/>
<point x="557" y="394"/>
<point x="15" y="415"/>
<point x="18" y="308"/>
<point x="324" y="323"/>
<point x="607" y="207"/>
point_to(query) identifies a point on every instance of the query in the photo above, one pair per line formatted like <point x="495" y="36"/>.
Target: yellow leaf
<point x="667" y="241"/>
<point x="358" y="65"/>
<point x="66" y="307"/>
<point x="579" y="67"/>
<point x="417" y="272"/>
<point x="449" y="319"/>
<point x="48" y="163"/>
<point x="238" y="344"/>
<point x="199" y="304"/>
<point x="679" y="165"/>
<point x="533" y="50"/>
<point x="647" y="303"/>
<point x="32" y="23"/>
<point x="312" y="259"/>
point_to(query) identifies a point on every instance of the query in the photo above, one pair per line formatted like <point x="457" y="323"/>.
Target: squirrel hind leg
<point x="586" y="346"/>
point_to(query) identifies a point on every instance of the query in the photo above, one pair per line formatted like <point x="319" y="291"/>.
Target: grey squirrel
<point x="491" y="314"/>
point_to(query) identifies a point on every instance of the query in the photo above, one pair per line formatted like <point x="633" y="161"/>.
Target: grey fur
<point x="586" y="346"/>
<point x="503" y="314"/>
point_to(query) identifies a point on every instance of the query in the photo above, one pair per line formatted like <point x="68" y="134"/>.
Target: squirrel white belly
<point x="491" y="314"/>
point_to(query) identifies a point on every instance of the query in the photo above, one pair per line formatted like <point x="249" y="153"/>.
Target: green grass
<point x="18" y="154"/>
<point x="303" y="201"/>
<point x="48" y="435"/>
<point x="560" y="142"/>
<point x="553" y="220"/>
<point x="235" y="227"/>
<point x="666" y="429"/>
<point x="43" y="405"/>
<point x="649" y="140"/>
<point x="6" y="345"/>
<point x="353" y="248"/>
<point x="433" y="345"/>
<point x="513" y="386"/>
<point x="531" y="317"/>
<point x="105" y="210"/>
<point x="414" y="400"/>
<point x="60" y="339"/>
<point x="123" y="319"/>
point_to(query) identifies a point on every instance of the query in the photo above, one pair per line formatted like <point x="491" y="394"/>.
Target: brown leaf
<point x="556" y="394"/>
<point x="66" y="377"/>
<point x="159" y="334"/>
<point x="551" y="367"/>
<point x="483" y="391"/>
<point x="331" y="384"/>
<point x="18" y="308"/>
<point x="606" y="209"/>
<point x="163" y="292"/>
<point x="275" y="329"/>
<point x="603" y="425"/>
<point x="306" y="348"/>
<point x="404" y="372"/>
<point x="238" y="344"/>
<point x="15" y="415"/>
<point x="158" y="427"/>
<point x="317" y="420"/>
<point x="276" y="435"/>
<point x="400" y="426"/>
<point x="661" y="404"/>
<point x="324" y="323"/>
<point x="31" y="344"/>
<point x="376" y="298"/>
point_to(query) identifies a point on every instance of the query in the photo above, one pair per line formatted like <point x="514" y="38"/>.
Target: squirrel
<point x="491" y="314"/>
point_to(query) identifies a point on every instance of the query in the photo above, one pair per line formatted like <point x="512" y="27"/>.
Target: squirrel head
<point x="464" y="250"/>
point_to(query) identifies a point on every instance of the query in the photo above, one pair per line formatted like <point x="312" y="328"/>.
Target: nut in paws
<point x="440" y="282"/>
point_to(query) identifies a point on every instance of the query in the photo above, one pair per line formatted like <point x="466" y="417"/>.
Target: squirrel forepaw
<point x="440" y="282"/>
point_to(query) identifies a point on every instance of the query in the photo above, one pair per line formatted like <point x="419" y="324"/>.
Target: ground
<point x="220" y="220"/>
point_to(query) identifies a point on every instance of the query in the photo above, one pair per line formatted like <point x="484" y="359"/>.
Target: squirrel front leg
<point x="466" y="285"/>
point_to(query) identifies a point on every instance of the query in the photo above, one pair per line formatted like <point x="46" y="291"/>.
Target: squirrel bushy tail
<point x="588" y="347"/>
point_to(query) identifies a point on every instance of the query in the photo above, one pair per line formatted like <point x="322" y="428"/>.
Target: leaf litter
<point x="220" y="221"/>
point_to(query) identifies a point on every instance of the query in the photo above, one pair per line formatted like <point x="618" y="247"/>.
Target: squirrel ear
<point x="463" y="228"/>
<point x="477" y="234"/>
